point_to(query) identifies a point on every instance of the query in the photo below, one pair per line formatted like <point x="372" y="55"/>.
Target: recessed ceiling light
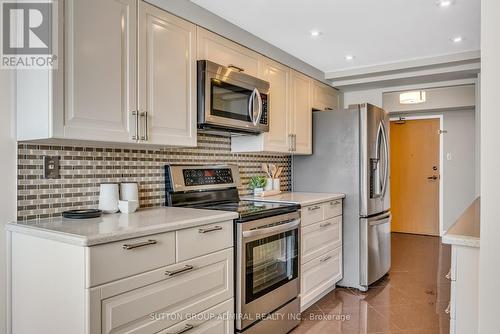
<point x="457" y="39"/>
<point x="349" y="57"/>
<point x="445" y="3"/>
<point x="315" y="33"/>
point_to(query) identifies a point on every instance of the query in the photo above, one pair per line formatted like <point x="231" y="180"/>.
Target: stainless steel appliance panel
<point x="231" y="100"/>
<point x="374" y="159"/>
<point x="267" y="252"/>
<point x="288" y="319"/>
<point x="375" y="233"/>
<point x="345" y="142"/>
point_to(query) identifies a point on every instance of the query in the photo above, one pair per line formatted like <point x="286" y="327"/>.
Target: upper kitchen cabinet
<point x="301" y="113"/>
<point x="278" y="139"/>
<point x="109" y="89"/>
<point x="324" y="97"/>
<point x="222" y="51"/>
<point x="100" y="70"/>
<point x="167" y="78"/>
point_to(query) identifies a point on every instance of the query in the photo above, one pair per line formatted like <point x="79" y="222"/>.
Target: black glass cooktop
<point x="250" y="210"/>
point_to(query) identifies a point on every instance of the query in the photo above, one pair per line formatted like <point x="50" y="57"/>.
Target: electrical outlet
<point x="51" y="167"/>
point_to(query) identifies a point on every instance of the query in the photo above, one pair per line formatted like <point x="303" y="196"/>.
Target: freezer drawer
<point x="375" y="247"/>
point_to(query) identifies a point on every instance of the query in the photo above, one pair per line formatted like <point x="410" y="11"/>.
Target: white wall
<point x="8" y="175"/>
<point x="459" y="172"/>
<point x="489" y="257"/>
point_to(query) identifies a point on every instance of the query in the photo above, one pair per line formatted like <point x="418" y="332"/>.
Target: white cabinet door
<point x="222" y="51"/>
<point x="167" y="78"/>
<point x="324" y="97"/>
<point x="278" y="137"/>
<point x="100" y="69"/>
<point x="301" y="113"/>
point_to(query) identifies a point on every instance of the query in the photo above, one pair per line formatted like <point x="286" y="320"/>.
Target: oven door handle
<point x="272" y="230"/>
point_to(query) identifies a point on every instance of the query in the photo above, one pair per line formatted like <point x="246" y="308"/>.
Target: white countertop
<point x="114" y="227"/>
<point x="302" y="198"/>
<point x="465" y="232"/>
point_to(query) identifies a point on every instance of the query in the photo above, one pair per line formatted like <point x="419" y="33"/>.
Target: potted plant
<point x="257" y="184"/>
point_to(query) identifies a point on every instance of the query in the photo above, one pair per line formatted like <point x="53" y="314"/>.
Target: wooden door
<point x="277" y="139"/>
<point x="301" y="113"/>
<point x="167" y="78"/>
<point x="100" y="69"/>
<point x="415" y="176"/>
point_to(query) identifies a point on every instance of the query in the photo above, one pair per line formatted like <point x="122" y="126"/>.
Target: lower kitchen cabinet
<point x="464" y="275"/>
<point x="137" y="285"/>
<point x="321" y="250"/>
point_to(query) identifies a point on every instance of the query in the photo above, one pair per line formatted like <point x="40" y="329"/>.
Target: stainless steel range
<point x="266" y="245"/>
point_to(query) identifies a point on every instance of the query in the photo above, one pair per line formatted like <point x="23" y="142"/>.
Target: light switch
<point x="448" y="156"/>
<point x="51" y="167"/>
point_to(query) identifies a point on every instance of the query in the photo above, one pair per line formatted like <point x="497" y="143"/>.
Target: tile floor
<point x="412" y="298"/>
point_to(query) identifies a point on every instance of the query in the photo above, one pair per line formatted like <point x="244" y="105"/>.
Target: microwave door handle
<point x="259" y="106"/>
<point x="251" y="105"/>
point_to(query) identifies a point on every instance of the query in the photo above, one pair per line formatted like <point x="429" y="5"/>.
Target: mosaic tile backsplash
<point x="84" y="168"/>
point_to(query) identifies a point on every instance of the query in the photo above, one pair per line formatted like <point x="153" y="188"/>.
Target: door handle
<point x="433" y="177"/>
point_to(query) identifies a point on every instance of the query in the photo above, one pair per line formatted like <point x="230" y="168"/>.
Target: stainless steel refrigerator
<point x="351" y="155"/>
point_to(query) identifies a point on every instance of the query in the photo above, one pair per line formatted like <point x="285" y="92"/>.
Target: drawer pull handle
<point x="179" y="271"/>
<point x="186" y="328"/>
<point x="325" y="225"/>
<point x="210" y="229"/>
<point x="313" y="208"/>
<point x="140" y="244"/>
<point x="334" y="202"/>
<point x="448" y="275"/>
<point x="448" y="308"/>
<point x="237" y="68"/>
<point x="326" y="258"/>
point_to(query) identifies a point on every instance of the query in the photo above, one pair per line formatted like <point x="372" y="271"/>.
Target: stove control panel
<point x="207" y="176"/>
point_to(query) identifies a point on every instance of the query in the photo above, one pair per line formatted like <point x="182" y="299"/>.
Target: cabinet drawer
<point x="320" y="274"/>
<point x="333" y="208"/>
<point x="220" y="322"/>
<point x="183" y="292"/>
<point x="320" y="238"/>
<point x="311" y="214"/>
<point x="109" y="262"/>
<point x="201" y="240"/>
<point x="225" y="52"/>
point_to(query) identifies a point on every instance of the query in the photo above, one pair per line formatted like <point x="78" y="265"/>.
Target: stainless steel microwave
<point x="231" y="100"/>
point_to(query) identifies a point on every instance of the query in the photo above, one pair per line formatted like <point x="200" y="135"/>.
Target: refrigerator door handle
<point x="386" y="159"/>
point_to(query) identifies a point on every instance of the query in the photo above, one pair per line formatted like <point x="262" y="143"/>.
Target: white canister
<point x="269" y="184"/>
<point x="108" y="197"/>
<point x="129" y="191"/>
<point x="276" y="184"/>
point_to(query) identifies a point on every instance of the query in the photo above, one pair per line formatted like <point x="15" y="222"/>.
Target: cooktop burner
<point x="250" y="209"/>
<point x="215" y="188"/>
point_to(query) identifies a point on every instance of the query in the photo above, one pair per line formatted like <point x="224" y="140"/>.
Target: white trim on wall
<point x="441" y="168"/>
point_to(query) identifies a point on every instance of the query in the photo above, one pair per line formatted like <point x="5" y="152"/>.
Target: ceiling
<point x="375" y="32"/>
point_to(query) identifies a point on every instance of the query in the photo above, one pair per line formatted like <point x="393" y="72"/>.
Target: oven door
<point x="268" y="268"/>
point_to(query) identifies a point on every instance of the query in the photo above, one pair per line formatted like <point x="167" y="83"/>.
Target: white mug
<point x="108" y="197"/>
<point x="129" y="191"/>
